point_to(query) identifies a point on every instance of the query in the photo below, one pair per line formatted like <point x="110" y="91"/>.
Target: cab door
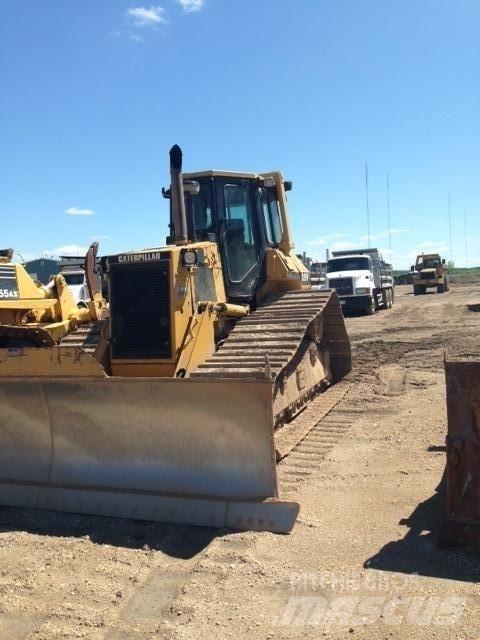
<point x="241" y="241"/>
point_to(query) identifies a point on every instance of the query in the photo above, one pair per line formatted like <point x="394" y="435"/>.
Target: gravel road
<point x="361" y="562"/>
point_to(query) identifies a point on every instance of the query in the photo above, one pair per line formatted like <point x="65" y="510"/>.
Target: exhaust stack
<point x="177" y="198"/>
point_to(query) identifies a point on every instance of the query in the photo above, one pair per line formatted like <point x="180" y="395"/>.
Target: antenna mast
<point x="450" y="224"/>
<point x="388" y="214"/>
<point x="368" y="205"/>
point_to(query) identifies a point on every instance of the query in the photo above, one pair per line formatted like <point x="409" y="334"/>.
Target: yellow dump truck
<point x="429" y="272"/>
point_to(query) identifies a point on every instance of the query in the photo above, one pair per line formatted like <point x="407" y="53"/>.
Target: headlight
<point x="362" y="290"/>
<point x="189" y="258"/>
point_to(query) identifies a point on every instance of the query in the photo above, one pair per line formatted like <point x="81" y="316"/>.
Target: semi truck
<point x="362" y="280"/>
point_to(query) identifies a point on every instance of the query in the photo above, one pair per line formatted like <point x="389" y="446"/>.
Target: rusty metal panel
<point x="463" y="453"/>
<point x="176" y="450"/>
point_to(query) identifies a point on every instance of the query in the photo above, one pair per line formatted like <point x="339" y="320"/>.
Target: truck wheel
<point x="370" y="310"/>
<point x="392" y="297"/>
<point x="385" y="299"/>
<point x="440" y="288"/>
<point x="388" y="295"/>
<point x="418" y="290"/>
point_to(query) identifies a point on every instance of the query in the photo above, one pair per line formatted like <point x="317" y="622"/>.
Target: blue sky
<point x="94" y="93"/>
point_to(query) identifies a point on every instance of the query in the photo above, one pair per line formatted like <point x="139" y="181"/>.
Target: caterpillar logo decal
<point x="140" y="257"/>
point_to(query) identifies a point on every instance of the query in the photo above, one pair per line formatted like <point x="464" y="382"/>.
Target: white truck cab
<point x="77" y="284"/>
<point x="362" y="280"/>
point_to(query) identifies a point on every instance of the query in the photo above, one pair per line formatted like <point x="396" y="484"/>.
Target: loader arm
<point x="91" y="272"/>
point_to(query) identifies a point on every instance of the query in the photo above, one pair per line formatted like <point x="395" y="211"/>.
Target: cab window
<point x="271" y="216"/>
<point x="241" y="246"/>
<point x="74" y="278"/>
<point x="199" y="213"/>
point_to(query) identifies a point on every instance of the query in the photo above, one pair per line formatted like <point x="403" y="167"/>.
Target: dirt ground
<point x="361" y="562"/>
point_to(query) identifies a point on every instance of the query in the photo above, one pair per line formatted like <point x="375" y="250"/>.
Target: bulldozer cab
<point x="241" y="213"/>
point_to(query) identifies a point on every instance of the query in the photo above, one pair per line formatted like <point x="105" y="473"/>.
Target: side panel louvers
<point x="204" y="284"/>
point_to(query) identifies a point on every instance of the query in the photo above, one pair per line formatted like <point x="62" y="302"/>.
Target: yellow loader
<point x="170" y="409"/>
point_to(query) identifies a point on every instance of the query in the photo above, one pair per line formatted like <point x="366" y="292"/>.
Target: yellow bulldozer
<point x="169" y="408"/>
<point x="36" y="315"/>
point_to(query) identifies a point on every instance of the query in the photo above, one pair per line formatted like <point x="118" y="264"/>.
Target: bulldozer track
<point x="265" y="343"/>
<point x="267" y="338"/>
<point x="288" y="438"/>
<point x="86" y="337"/>
<point x="321" y="436"/>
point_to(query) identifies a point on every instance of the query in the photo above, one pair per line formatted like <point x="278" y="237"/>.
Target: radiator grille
<point x="140" y="311"/>
<point x="343" y="286"/>
<point x="427" y="276"/>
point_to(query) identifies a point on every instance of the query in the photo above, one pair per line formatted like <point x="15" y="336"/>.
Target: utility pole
<point x="388" y="214"/>
<point x="368" y="206"/>
<point x="466" y="242"/>
<point x="450" y="224"/>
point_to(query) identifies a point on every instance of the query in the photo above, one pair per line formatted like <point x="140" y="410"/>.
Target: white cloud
<point x="66" y="250"/>
<point x="77" y="211"/>
<point x="143" y="17"/>
<point x="324" y="239"/>
<point x="386" y="253"/>
<point x="384" y="234"/>
<point x="136" y="38"/>
<point x="434" y="245"/>
<point x="99" y="238"/>
<point x="344" y="245"/>
<point x="189" y="6"/>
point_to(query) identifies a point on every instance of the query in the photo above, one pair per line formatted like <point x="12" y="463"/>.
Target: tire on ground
<point x="385" y="299"/>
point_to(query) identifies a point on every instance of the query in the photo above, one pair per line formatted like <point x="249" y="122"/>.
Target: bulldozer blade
<point x="463" y="454"/>
<point x="170" y="450"/>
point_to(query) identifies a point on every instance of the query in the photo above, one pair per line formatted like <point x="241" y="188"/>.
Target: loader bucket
<point x="165" y="449"/>
<point x="463" y="454"/>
